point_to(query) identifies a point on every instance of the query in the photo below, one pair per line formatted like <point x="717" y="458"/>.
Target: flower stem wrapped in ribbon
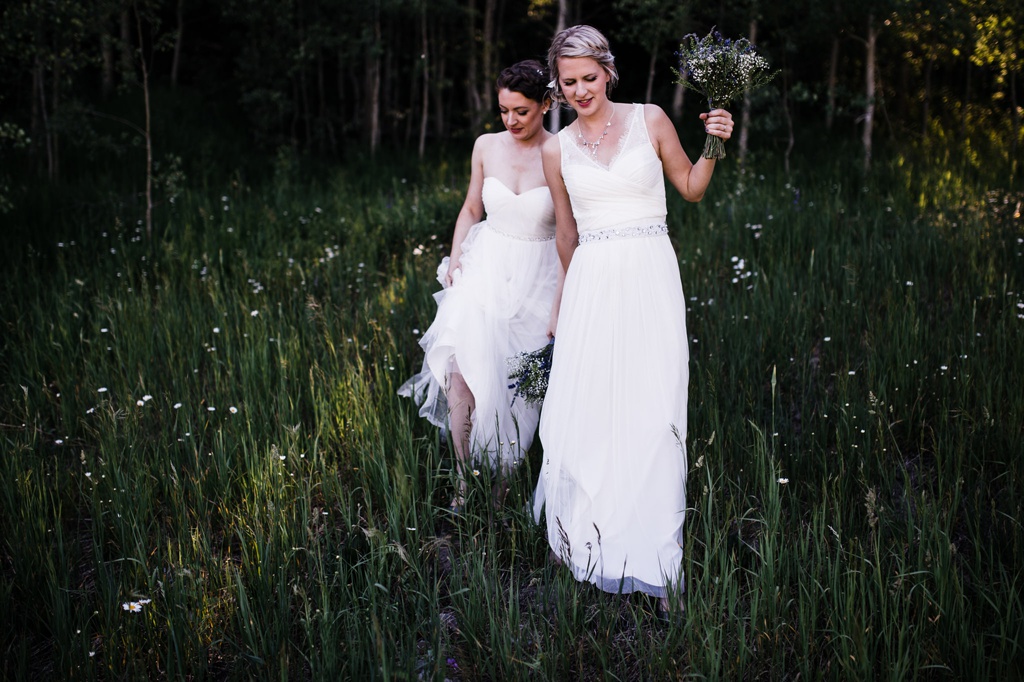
<point x="720" y="69"/>
<point x="528" y="373"/>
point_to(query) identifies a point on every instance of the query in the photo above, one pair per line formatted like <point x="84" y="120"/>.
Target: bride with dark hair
<point x="498" y="282"/>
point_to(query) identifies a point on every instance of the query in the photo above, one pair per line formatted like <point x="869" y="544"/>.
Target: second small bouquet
<point x="720" y="69"/>
<point x="528" y="374"/>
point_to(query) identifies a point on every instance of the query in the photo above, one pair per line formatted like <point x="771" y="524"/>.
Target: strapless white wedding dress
<point x="613" y="474"/>
<point x="498" y="307"/>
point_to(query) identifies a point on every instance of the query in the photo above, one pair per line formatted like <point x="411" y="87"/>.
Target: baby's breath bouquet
<point x="720" y="69"/>
<point x="529" y="372"/>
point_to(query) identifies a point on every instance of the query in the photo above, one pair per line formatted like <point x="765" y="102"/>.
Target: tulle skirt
<point x="498" y="307"/>
<point x="613" y="427"/>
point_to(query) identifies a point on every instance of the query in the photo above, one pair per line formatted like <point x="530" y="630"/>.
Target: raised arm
<point x="472" y="208"/>
<point x="690" y="179"/>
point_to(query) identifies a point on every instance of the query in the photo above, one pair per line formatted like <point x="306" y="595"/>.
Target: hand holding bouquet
<point x="719" y="69"/>
<point x="529" y="372"/>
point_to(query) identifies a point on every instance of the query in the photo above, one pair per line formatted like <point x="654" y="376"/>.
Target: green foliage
<point x="855" y="419"/>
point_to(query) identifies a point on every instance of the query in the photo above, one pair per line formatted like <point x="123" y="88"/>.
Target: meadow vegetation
<point x="207" y="473"/>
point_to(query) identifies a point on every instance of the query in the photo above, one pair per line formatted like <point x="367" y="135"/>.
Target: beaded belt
<point x="621" y="232"/>
<point x="521" y="237"/>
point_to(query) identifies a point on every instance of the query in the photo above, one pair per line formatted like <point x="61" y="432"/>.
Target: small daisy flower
<point x="132" y="606"/>
<point x="233" y="410"/>
<point x="102" y="389"/>
<point x="177" y="406"/>
<point x="783" y="481"/>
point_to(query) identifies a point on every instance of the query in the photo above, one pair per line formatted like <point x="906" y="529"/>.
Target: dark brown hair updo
<point x="528" y="77"/>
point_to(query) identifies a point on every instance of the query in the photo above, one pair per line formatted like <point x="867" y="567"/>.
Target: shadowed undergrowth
<point x="207" y="473"/>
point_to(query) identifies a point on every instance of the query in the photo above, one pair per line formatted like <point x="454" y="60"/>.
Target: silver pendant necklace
<point x="592" y="146"/>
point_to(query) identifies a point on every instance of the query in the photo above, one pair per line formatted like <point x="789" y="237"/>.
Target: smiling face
<point x="522" y="116"/>
<point x="584" y="83"/>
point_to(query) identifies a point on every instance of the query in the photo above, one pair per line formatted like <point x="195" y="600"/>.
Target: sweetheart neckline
<point x="510" y="190"/>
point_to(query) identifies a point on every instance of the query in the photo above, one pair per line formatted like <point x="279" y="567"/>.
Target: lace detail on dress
<point x="631" y="136"/>
<point x="623" y="232"/>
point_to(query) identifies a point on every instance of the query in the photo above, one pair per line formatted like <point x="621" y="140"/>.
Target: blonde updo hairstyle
<point x="580" y="41"/>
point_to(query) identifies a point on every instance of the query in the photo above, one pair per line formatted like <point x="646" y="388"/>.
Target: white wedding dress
<point x="613" y="475"/>
<point x="498" y="307"/>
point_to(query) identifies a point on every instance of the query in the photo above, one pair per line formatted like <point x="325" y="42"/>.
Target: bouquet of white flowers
<point x="719" y="69"/>
<point x="529" y="372"/>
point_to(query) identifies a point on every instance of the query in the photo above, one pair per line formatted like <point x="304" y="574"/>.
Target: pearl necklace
<point x="592" y="146"/>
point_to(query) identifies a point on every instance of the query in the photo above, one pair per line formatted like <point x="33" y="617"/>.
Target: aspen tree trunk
<point x="373" y="87"/>
<point x="304" y="102"/>
<point x="741" y="151"/>
<point x="148" y="128"/>
<point x="473" y="89"/>
<point x="54" y="108"/>
<point x="39" y="88"/>
<point x="789" y="123"/>
<point x="560" y="25"/>
<point x="440" y="63"/>
<point x="678" y="99"/>
<point x="425" y="105"/>
<point x="488" y="71"/>
<point x="176" y="61"/>
<point x="869" y="90"/>
<point x="833" y="65"/>
<point x="107" y="54"/>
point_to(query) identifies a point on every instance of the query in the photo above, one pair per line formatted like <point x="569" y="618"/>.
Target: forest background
<point x="221" y="222"/>
<point x="334" y="77"/>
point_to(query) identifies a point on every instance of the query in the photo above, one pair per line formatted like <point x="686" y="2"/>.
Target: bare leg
<point x="461" y="404"/>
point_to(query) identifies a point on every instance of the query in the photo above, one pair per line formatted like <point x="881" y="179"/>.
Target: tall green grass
<point x="203" y="427"/>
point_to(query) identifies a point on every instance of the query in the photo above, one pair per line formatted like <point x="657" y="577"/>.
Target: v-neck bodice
<point x="628" y="192"/>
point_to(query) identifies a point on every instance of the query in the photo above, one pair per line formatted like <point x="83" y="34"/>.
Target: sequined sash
<point x="622" y="233"/>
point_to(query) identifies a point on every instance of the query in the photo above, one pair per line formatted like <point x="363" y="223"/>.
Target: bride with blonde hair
<point x="613" y="476"/>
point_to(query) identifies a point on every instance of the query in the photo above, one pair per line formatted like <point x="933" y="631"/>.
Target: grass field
<point x="207" y="474"/>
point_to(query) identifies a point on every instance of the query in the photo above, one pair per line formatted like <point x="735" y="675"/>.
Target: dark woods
<point x="328" y="76"/>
